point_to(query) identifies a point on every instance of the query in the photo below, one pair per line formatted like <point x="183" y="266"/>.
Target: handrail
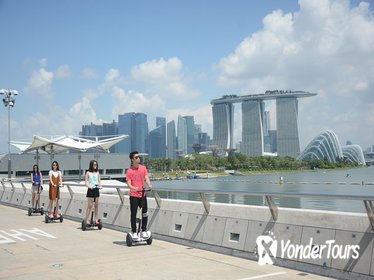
<point x="367" y="199"/>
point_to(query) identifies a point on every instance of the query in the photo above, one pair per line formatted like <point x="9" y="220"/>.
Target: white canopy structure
<point x="61" y="144"/>
<point x="64" y="143"/>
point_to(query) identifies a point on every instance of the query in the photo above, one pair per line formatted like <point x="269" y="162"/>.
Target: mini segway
<point x="48" y="219"/>
<point x="36" y="209"/>
<point x="131" y="239"/>
<point x="92" y="224"/>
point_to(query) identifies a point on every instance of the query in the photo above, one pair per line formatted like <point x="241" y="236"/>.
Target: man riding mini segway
<point x="135" y="177"/>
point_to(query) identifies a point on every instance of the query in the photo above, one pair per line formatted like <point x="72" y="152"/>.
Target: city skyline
<point x="89" y="61"/>
<point x="163" y="141"/>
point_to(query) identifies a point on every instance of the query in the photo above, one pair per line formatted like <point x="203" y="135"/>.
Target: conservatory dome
<point x="327" y="145"/>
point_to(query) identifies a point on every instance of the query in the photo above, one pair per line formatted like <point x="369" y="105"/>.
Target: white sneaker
<point x="145" y="235"/>
<point x="135" y="235"/>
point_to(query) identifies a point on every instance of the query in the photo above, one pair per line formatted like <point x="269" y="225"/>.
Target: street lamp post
<point x="9" y="100"/>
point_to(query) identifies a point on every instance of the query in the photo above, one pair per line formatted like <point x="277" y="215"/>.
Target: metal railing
<point x="269" y="196"/>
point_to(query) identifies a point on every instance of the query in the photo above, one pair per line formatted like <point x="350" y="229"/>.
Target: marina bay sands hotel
<point x="253" y="106"/>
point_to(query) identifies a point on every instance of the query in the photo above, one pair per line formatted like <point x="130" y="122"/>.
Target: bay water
<point x="357" y="181"/>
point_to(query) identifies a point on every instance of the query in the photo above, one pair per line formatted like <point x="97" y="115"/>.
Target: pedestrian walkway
<point x="31" y="249"/>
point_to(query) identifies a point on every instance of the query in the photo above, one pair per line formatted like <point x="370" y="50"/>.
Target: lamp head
<point x="9" y="92"/>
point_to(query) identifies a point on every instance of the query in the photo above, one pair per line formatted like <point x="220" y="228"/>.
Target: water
<point x="358" y="181"/>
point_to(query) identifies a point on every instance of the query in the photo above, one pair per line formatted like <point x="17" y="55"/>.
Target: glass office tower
<point x="223" y="126"/>
<point x="287" y="127"/>
<point x="252" y="128"/>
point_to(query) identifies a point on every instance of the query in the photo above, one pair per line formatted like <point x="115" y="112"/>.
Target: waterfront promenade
<point x="31" y="249"/>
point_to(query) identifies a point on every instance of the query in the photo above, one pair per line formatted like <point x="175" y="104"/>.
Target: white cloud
<point x="326" y="47"/>
<point x="165" y="78"/>
<point x="112" y="76"/>
<point x="39" y="84"/>
<point x="134" y="101"/>
<point x="43" y="62"/>
<point x="63" y="72"/>
<point x="89" y="73"/>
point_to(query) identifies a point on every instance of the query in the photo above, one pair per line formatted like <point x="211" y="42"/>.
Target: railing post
<point x="157" y="198"/>
<point x="205" y="202"/>
<point x="370" y="211"/>
<point x="2" y="183"/>
<point x="13" y="187"/>
<point x="272" y="206"/>
<point x="120" y="194"/>
<point x="70" y="191"/>
<point x="24" y="188"/>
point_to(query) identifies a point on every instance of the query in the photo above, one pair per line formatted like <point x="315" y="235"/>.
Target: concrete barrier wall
<point x="231" y="229"/>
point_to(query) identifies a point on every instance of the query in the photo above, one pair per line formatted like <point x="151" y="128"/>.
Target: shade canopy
<point x="64" y="143"/>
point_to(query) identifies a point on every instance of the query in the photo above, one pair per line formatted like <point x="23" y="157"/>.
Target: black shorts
<point x="93" y="192"/>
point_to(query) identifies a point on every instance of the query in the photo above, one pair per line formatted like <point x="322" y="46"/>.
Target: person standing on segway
<point x="93" y="183"/>
<point x="37" y="181"/>
<point x="135" y="177"/>
<point x="55" y="182"/>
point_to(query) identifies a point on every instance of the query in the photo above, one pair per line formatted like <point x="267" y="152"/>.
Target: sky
<point x="77" y="62"/>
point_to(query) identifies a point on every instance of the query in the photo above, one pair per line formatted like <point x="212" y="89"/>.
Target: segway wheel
<point x="29" y="211"/>
<point x="149" y="240"/>
<point x="61" y="218"/>
<point x="41" y="212"/>
<point x="100" y="225"/>
<point x="46" y="219"/>
<point x="84" y="225"/>
<point x="128" y="240"/>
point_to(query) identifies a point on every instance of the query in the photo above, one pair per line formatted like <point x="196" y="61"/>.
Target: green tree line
<point x="242" y="162"/>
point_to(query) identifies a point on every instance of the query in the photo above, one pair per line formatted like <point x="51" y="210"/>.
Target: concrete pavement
<point x="32" y="249"/>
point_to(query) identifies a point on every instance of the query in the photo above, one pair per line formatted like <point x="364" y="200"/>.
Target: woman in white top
<point x="93" y="183"/>
<point x="55" y="182"/>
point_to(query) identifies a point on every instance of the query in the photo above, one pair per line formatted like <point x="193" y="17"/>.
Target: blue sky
<point x="76" y="62"/>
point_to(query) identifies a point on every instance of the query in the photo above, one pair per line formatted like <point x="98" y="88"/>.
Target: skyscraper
<point x="223" y="125"/>
<point x="252" y="127"/>
<point x="136" y="126"/>
<point x="171" y="140"/>
<point x="125" y="125"/>
<point x="157" y="139"/>
<point x="287" y="127"/>
<point x="156" y="145"/>
<point x="253" y="121"/>
<point x="140" y="135"/>
<point x="190" y="123"/>
<point x="181" y="136"/>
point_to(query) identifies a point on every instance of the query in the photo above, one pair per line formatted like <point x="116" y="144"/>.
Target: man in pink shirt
<point x="135" y="177"/>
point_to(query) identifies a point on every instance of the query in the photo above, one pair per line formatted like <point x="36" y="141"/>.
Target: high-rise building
<point x="253" y="121"/>
<point x="223" y="125"/>
<point x="197" y="130"/>
<point x="204" y="141"/>
<point x="125" y="125"/>
<point x="140" y="135"/>
<point x="252" y="128"/>
<point x="156" y="143"/>
<point x="157" y="139"/>
<point x="136" y="126"/>
<point x="109" y="130"/>
<point x="266" y="122"/>
<point x="171" y="140"/>
<point x="181" y="136"/>
<point x="190" y="123"/>
<point x="100" y="131"/>
<point x="287" y="127"/>
<point x="91" y="130"/>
